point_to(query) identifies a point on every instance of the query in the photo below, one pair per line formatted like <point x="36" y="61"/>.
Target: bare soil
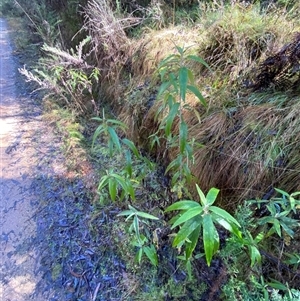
<point x="23" y="140"/>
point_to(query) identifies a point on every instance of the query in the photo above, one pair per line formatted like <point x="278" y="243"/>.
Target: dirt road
<point x="20" y="132"/>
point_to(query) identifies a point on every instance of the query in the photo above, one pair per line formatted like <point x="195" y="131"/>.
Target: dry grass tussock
<point x="240" y="38"/>
<point x="249" y="146"/>
<point x="111" y="46"/>
<point x="157" y="45"/>
<point x="248" y="153"/>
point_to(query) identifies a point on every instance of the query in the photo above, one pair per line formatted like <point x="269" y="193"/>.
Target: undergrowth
<point x="180" y="96"/>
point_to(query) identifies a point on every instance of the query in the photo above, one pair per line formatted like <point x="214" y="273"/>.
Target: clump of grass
<point x="240" y="38"/>
<point x="111" y="47"/>
<point x="248" y="152"/>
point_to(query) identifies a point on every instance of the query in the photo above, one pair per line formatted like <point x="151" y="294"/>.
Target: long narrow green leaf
<point x="114" y="137"/>
<point x="96" y="134"/>
<point x="110" y="147"/>
<point x="201" y="195"/>
<point x="183" y="81"/>
<point x="125" y="212"/>
<point x="182" y="205"/>
<point x="288" y="230"/>
<point x="132" y="147"/>
<point x="175" y="177"/>
<point x="130" y="191"/>
<point x="295" y="193"/>
<point x="128" y="167"/>
<point x="123" y="193"/>
<point x="277" y="227"/>
<point x="278" y="285"/>
<point x="212" y="195"/>
<point x="160" y="109"/>
<point x="265" y="220"/>
<point x="282" y="192"/>
<point x="254" y="255"/>
<point x="146" y="215"/>
<point x="224" y="214"/>
<point x="164" y="87"/>
<point x="112" y="187"/>
<point x="191" y="77"/>
<point x="97" y="119"/>
<point x="103" y="182"/>
<point x="121" y="124"/>
<point x="132" y="208"/>
<point x="231" y="227"/>
<point x="187" y="173"/>
<point x="170" y="101"/>
<point x="197" y="93"/>
<point x="180" y="50"/>
<point x="292" y="203"/>
<point x="151" y="254"/>
<point x="184" y="232"/>
<point x="170" y="118"/>
<point x="118" y="177"/>
<point x="173" y="81"/>
<point x="129" y="217"/>
<point x="169" y="59"/>
<point x="194" y="236"/>
<point x="173" y="165"/>
<point x="259" y="237"/>
<point x="210" y="238"/>
<point x="122" y="182"/>
<point x="183" y="136"/>
<point x="136" y="227"/>
<point x="150" y="164"/>
<point x="199" y="60"/>
<point x="139" y="255"/>
<point x="188" y="215"/>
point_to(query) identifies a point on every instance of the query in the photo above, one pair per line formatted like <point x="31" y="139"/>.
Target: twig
<point x="96" y="291"/>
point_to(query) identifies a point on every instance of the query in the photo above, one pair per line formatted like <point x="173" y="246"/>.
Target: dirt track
<point x="22" y="144"/>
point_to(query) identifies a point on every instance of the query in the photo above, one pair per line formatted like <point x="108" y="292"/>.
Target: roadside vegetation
<point x="187" y="114"/>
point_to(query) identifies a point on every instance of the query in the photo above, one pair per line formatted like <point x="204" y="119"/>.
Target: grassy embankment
<point x="249" y="139"/>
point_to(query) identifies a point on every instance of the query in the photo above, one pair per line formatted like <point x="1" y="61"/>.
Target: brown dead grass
<point x="247" y="153"/>
<point x="157" y="45"/>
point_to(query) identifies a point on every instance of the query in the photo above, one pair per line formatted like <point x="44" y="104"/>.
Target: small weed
<point x="141" y="241"/>
<point x="279" y="214"/>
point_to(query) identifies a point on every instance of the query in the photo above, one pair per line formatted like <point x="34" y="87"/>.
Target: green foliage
<point x="278" y="220"/>
<point x="67" y="74"/>
<point x="294" y="259"/>
<point x="126" y="179"/>
<point x="107" y="129"/>
<point x="6" y="7"/>
<point x="113" y="181"/>
<point x="139" y="240"/>
<point x="254" y="244"/>
<point x="280" y="214"/>
<point x="44" y="21"/>
<point x="177" y="82"/>
<point x="195" y="216"/>
<point x="235" y="290"/>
